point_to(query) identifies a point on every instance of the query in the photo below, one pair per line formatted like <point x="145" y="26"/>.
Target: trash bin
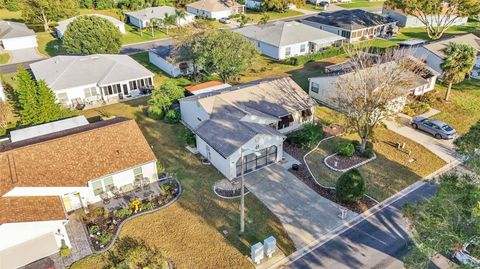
<point x="270" y="246"/>
<point x="257" y="253"/>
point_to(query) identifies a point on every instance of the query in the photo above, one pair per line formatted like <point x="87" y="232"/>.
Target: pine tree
<point x="48" y="109"/>
<point x="25" y="99"/>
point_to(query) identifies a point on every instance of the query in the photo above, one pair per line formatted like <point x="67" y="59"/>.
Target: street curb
<point x="359" y="218"/>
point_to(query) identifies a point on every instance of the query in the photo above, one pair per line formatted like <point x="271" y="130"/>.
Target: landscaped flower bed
<point x="102" y="225"/>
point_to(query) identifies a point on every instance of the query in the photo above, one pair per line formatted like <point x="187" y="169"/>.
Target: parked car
<point x="225" y="20"/>
<point x="324" y="4"/>
<point x="438" y="129"/>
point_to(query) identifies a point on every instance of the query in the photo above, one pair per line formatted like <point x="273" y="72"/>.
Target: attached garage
<point x="14" y="36"/>
<point x="28" y="251"/>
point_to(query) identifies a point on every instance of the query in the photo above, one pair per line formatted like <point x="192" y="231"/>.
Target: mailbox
<point x="270" y="246"/>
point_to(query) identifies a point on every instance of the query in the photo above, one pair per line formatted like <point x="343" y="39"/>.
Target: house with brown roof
<point x="215" y="9"/>
<point x="43" y="178"/>
<point x="249" y="120"/>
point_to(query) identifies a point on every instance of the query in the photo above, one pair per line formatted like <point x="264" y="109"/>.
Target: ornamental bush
<point x="172" y="116"/>
<point x="121" y="213"/>
<point x="350" y="186"/>
<point x="308" y="137"/>
<point x="345" y="149"/>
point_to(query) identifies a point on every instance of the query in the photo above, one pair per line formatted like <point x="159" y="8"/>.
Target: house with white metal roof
<point x="249" y="120"/>
<point x="141" y="18"/>
<point x="93" y="80"/>
<point x="15" y="35"/>
<point x="62" y="25"/>
<point x="215" y="9"/>
<point x="280" y="40"/>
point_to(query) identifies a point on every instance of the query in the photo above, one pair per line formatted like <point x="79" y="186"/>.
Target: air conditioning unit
<point x="270" y="246"/>
<point x="257" y="253"/>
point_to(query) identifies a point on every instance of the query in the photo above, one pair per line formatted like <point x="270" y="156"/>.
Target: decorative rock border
<point x="349" y="168"/>
<point x="120" y="226"/>
<point x="227" y="197"/>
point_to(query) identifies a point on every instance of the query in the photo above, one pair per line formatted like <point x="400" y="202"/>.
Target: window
<point x="138" y="174"/>
<point x="314" y="87"/>
<point x="150" y="83"/>
<point x="346" y="34"/>
<point x="303" y="48"/>
<point x="62" y="98"/>
<point x="288" y="51"/>
<point x="285" y="122"/>
<point x="97" y="187"/>
<point x="108" y="183"/>
<point x="87" y="92"/>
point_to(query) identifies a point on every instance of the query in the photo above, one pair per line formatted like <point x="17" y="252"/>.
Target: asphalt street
<point x="377" y="242"/>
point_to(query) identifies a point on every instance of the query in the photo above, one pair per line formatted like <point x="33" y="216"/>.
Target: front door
<point x="72" y="201"/>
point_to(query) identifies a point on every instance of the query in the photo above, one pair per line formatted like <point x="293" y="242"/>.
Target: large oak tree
<point x="47" y="11"/>
<point x="437" y="15"/>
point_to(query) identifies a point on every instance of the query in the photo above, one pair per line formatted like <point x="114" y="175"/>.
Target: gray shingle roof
<point x="350" y="19"/>
<point x="9" y="29"/>
<point x="438" y="47"/>
<point x="152" y="12"/>
<point x="226" y="132"/>
<point x="62" y="25"/>
<point x="283" y="33"/>
<point x="62" y="72"/>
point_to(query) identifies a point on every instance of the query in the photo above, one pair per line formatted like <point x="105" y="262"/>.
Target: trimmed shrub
<point x="172" y="116"/>
<point x="155" y="113"/>
<point x="350" y="186"/>
<point x="65" y="251"/>
<point x="190" y="138"/>
<point x="308" y="137"/>
<point x="368" y="153"/>
<point x="303" y="59"/>
<point x="121" y="213"/>
<point x="345" y="149"/>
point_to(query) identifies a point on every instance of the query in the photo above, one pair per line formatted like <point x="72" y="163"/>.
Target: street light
<point x="242" y="191"/>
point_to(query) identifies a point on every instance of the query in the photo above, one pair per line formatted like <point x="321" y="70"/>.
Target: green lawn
<point x="361" y="4"/>
<point x="4" y="58"/>
<point x="389" y="173"/>
<point x="256" y="15"/>
<point x="190" y="231"/>
<point x="463" y="108"/>
<point x="10" y="15"/>
<point x="49" y="45"/>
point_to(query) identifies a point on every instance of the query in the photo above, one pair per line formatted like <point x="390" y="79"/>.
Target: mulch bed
<point x="230" y="193"/>
<point x="344" y="162"/>
<point x="303" y="174"/>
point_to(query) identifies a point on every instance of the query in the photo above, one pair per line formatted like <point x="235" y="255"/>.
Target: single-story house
<point x="325" y="88"/>
<point x="62" y="25"/>
<point x="141" y="18"/>
<point x="317" y="2"/>
<point x="353" y="24"/>
<point x="93" y="79"/>
<point x="215" y="9"/>
<point x="249" y="119"/>
<point x="205" y="87"/>
<point x="433" y="53"/>
<point x="280" y="40"/>
<point x="46" y="176"/>
<point x="405" y="20"/>
<point x="15" y="35"/>
<point x="164" y="58"/>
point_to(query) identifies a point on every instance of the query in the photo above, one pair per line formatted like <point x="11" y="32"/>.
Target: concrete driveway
<point x="24" y="55"/>
<point x="442" y="148"/>
<point x="305" y="214"/>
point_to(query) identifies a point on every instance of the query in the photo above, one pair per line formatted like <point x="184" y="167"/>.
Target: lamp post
<point x="242" y="191"/>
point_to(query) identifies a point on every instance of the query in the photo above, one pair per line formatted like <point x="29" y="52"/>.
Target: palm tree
<point x="180" y="14"/>
<point x="169" y="20"/>
<point x="154" y="22"/>
<point x="458" y="64"/>
<point x="243" y="19"/>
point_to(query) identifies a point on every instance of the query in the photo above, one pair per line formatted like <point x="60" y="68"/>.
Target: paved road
<point x="12" y="68"/>
<point x="377" y="242"/>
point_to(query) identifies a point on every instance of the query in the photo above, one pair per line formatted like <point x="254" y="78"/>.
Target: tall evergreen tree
<point x="48" y="109"/>
<point x="25" y="98"/>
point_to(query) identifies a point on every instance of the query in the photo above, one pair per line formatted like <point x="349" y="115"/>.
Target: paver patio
<point x="305" y="214"/>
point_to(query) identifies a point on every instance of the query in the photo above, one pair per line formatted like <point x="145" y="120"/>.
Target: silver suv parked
<point x="439" y="129"/>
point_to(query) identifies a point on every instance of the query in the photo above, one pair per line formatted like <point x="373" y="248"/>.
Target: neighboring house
<point x="215" y="9"/>
<point x="43" y="178"/>
<point x="280" y="40"/>
<point x="141" y="18"/>
<point x="205" y="87"/>
<point x="15" y="35"/>
<point x="405" y="20"/>
<point x="164" y="58"/>
<point x="62" y="25"/>
<point x="324" y="88"/>
<point x="317" y="2"/>
<point x="253" y="4"/>
<point x="249" y="117"/>
<point x="93" y="80"/>
<point x="433" y="54"/>
<point x="353" y="24"/>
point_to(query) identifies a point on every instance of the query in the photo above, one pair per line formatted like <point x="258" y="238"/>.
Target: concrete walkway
<point x="442" y="148"/>
<point x="305" y="214"/>
<point x="79" y="240"/>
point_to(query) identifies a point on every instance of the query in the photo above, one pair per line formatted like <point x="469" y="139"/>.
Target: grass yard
<point x="386" y="175"/>
<point x="361" y="4"/>
<point x="190" y="231"/>
<point x="256" y="15"/>
<point x="4" y="58"/>
<point x="8" y="15"/>
<point x="49" y="45"/>
<point x="463" y="108"/>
